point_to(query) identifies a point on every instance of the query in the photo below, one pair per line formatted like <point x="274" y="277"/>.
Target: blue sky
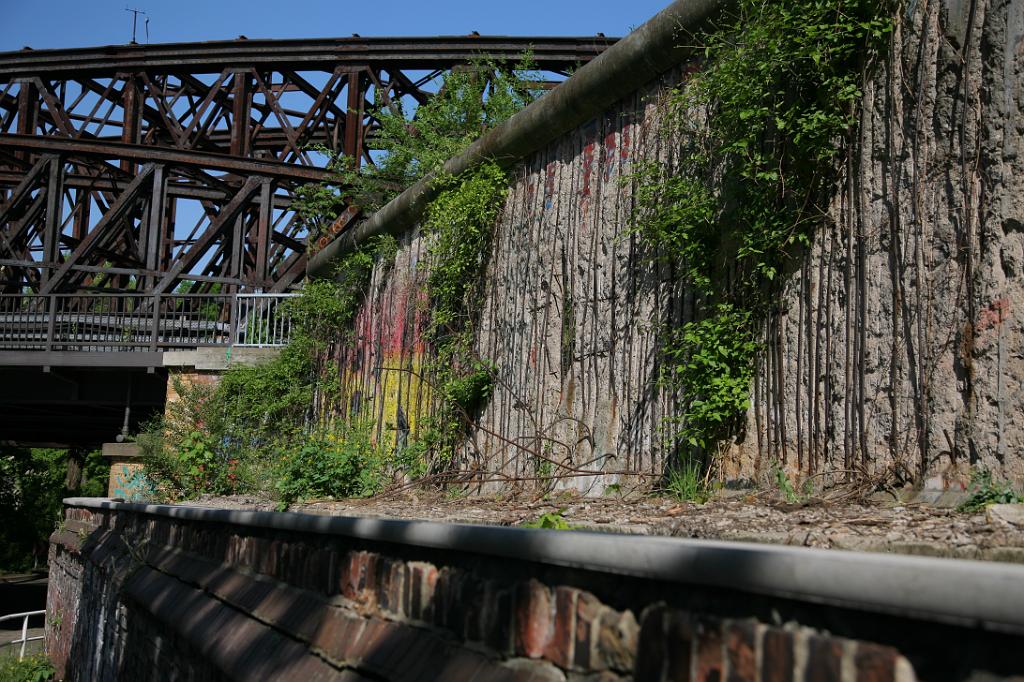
<point x="79" y="23"/>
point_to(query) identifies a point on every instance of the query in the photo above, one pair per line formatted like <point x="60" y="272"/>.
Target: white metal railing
<point x="25" y="639"/>
<point x="262" y="320"/>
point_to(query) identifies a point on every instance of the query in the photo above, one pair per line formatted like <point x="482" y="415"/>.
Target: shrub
<point x="335" y="465"/>
<point x="35" y="668"/>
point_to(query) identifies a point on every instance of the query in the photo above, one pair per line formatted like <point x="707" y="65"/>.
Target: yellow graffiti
<point x="393" y="397"/>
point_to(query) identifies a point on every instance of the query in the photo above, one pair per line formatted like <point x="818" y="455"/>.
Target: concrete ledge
<point x="219" y="358"/>
<point x="959" y="592"/>
<point x="121" y="450"/>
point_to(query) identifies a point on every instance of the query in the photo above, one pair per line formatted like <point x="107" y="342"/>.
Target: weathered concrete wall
<point x="140" y="596"/>
<point x="568" y="319"/>
<point x="571" y="312"/>
<point x="896" y="346"/>
<point x="899" y="342"/>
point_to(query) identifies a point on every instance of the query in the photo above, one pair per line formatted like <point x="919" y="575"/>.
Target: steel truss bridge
<point x="137" y="179"/>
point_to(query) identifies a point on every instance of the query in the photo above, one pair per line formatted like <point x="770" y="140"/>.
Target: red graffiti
<point x="549" y="184"/>
<point x="609" y="154"/>
<point x="588" y="167"/>
<point x="624" y="145"/>
<point x="995" y="314"/>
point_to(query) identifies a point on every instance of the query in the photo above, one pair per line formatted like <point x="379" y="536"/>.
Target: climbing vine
<point x="459" y="224"/>
<point x="759" y="131"/>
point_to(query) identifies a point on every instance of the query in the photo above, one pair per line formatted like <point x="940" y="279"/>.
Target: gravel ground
<point x="876" y="525"/>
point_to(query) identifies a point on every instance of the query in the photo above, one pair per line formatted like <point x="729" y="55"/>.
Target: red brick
<point x="561" y="647"/>
<point x="417" y="600"/>
<point x="411" y="662"/>
<point x="348" y="575"/>
<point x="588" y="616"/>
<point x="370" y="638"/>
<point x="777" y="656"/>
<point x="367" y="587"/>
<point x="394" y="595"/>
<point x="383" y="583"/>
<point x="461" y="664"/>
<point x="533" y="626"/>
<point x="387" y="654"/>
<point x="875" y="663"/>
<point x="650" y="652"/>
<point x="824" y="659"/>
<point x="497" y="619"/>
<point x="337" y="634"/>
<point x="442" y="596"/>
<point x="424" y="589"/>
<point x="679" y="646"/>
<point x="617" y="640"/>
<point x="741" y="648"/>
<point x="709" y="653"/>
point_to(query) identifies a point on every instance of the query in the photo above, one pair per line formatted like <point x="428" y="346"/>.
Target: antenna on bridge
<point x="135" y="20"/>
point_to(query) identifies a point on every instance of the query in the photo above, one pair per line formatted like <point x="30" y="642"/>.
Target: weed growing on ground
<point x="36" y="668"/>
<point x="549" y="521"/>
<point x="686" y="482"/>
<point x="984" y="490"/>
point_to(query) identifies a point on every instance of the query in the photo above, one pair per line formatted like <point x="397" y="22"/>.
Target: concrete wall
<point x="896" y="346"/>
<point x="567" y="319"/>
<point x="898" y="342"/>
<point x="140" y="596"/>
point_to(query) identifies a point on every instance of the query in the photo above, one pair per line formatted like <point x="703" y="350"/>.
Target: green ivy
<point x="459" y="225"/>
<point x="760" y="132"/>
<point x="713" y="359"/>
<point x="985" y="490"/>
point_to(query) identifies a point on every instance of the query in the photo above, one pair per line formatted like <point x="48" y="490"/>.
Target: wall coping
<point x="953" y="591"/>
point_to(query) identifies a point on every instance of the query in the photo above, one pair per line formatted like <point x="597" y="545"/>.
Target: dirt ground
<point x="878" y="524"/>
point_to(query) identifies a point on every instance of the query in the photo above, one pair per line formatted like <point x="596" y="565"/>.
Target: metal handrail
<point x="117" y="322"/>
<point x="25" y="639"/>
<point x="262" y="320"/>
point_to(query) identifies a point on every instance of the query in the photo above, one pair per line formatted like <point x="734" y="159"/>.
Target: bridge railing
<point x="141" y="322"/>
<point x="263" y="319"/>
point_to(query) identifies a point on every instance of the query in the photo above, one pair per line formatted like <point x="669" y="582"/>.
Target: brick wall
<point x="134" y="596"/>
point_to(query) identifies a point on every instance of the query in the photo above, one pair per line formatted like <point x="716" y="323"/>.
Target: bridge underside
<point x="76" y="406"/>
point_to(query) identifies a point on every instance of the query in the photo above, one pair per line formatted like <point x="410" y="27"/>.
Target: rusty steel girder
<point x="152" y="167"/>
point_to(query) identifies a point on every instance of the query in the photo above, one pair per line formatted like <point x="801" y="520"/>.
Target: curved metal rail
<point x="25" y="639"/>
